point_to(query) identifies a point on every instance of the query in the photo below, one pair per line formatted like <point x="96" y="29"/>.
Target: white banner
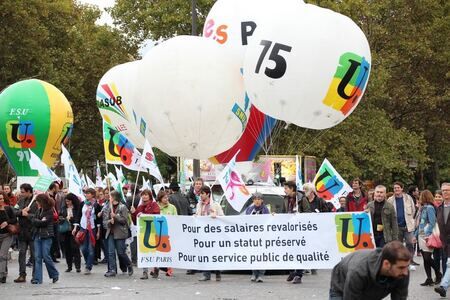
<point x="284" y="241"/>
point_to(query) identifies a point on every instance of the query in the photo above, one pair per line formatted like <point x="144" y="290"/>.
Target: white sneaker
<point x="412" y="268"/>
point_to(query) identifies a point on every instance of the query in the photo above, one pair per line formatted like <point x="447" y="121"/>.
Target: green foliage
<point x="59" y="42"/>
<point x="158" y="19"/>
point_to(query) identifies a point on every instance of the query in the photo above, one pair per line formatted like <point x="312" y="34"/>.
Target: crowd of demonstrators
<point x="60" y="224"/>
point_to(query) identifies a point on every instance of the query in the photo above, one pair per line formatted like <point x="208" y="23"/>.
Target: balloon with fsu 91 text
<point x="34" y="115"/>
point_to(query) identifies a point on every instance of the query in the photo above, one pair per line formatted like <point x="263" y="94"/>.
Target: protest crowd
<point x="56" y="224"/>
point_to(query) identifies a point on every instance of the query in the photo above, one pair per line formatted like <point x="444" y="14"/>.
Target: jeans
<point x="207" y="274"/>
<point x="258" y="273"/>
<point x="42" y="252"/>
<point x="445" y="282"/>
<point x="23" y="247"/>
<point x="120" y="247"/>
<point x="133" y="248"/>
<point x="88" y="250"/>
<point x="407" y="237"/>
<point x="5" y="243"/>
<point x="335" y="296"/>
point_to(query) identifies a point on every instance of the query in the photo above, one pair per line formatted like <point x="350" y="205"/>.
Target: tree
<point x="157" y="19"/>
<point x="59" y="42"/>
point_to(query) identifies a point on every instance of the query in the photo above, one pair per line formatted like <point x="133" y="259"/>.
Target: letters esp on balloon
<point x="348" y="83"/>
<point x="218" y="34"/>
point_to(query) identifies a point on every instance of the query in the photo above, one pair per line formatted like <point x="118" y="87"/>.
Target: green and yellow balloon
<point x="34" y="115"/>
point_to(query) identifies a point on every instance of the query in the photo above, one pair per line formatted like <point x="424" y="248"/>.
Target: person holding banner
<point x="165" y="208"/>
<point x="148" y="207"/>
<point x="257" y="208"/>
<point x="208" y="208"/>
<point x="372" y="274"/>
<point x="115" y="219"/>
<point x="194" y="194"/>
<point x="43" y="236"/>
<point x="26" y="210"/>
<point x="384" y="221"/>
<point x="293" y="202"/>
<point x="7" y="217"/>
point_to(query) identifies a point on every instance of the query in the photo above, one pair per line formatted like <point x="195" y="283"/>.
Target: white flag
<point x="120" y="177"/>
<point x="37" y="164"/>
<point x="148" y="161"/>
<point x="90" y="183"/>
<point x="83" y="179"/>
<point x="231" y="182"/>
<point x="145" y="184"/>
<point x="71" y="173"/>
<point x="330" y="185"/>
<point x="98" y="176"/>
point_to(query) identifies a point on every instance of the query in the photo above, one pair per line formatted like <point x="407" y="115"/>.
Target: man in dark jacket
<point x="179" y="201"/>
<point x="372" y="274"/>
<point x="25" y="215"/>
<point x="443" y="221"/>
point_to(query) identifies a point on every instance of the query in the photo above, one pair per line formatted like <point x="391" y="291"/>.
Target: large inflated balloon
<point x="192" y="97"/>
<point x="34" y="115"/>
<point x="115" y="92"/>
<point x="310" y="67"/>
<point x="232" y="23"/>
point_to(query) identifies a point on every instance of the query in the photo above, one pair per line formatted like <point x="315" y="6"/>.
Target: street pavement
<point x="180" y="286"/>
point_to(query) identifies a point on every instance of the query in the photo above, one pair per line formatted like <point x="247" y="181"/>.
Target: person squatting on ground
<point x="372" y="274"/>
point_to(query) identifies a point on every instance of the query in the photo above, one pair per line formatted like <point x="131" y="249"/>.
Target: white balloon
<point x="115" y="93"/>
<point x="192" y="97"/>
<point x="232" y="23"/>
<point x="309" y="67"/>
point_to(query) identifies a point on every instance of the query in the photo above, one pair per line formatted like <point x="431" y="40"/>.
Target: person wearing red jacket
<point x="148" y="206"/>
<point x="356" y="200"/>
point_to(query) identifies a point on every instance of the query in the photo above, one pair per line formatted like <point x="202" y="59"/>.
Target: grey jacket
<point x="181" y="203"/>
<point x="120" y="227"/>
<point x="356" y="277"/>
<point x="389" y="219"/>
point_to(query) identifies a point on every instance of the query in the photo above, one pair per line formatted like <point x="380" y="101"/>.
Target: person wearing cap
<point x="179" y="200"/>
<point x="257" y="208"/>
